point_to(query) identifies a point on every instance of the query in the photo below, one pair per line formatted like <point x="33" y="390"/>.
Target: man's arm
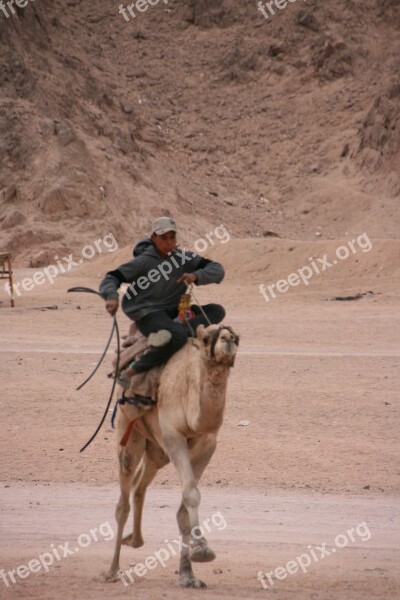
<point x="207" y="271"/>
<point x="126" y="273"/>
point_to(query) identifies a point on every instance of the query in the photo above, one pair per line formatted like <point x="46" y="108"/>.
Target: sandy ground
<point x="262" y="531"/>
<point x="318" y="382"/>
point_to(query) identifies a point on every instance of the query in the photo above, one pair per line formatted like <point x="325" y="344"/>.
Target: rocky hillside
<point x="202" y="109"/>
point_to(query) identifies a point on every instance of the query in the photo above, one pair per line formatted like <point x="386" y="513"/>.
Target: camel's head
<point x="219" y="343"/>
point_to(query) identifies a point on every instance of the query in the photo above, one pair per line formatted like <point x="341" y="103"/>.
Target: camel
<point x="182" y="428"/>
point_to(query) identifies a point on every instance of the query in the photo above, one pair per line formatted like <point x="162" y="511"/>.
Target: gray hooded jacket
<point x="152" y="279"/>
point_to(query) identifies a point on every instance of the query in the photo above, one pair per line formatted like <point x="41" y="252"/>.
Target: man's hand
<point x="112" y="306"/>
<point x="188" y="277"/>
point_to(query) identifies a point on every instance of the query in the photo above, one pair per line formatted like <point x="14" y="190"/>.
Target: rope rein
<point x="184" y="309"/>
<point x="198" y="304"/>
<point x="115" y="329"/>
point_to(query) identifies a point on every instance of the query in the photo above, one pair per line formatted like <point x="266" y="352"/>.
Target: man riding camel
<point x="158" y="276"/>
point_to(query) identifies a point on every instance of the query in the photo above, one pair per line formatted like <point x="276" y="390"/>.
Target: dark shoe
<point x="124" y="379"/>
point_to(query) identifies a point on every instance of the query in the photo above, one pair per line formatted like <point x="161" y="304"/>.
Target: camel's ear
<point x="200" y="332"/>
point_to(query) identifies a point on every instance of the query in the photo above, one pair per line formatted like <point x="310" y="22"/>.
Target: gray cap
<point x="162" y="225"/>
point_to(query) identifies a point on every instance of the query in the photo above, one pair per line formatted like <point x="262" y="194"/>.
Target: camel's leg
<point x="201" y="455"/>
<point x="128" y="539"/>
<point x="129" y="458"/>
<point x="177" y="448"/>
<point x="154" y="460"/>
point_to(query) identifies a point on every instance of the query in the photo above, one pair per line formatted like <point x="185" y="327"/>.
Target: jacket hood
<point x="144" y="245"/>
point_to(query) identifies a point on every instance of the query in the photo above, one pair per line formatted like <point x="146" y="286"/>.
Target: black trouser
<point x="163" y="319"/>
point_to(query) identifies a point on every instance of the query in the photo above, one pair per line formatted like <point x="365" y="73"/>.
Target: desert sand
<point x="316" y="379"/>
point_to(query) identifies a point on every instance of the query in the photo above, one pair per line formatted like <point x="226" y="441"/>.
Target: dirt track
<point x="263" y="531"/>
<point x="317" y="381"/>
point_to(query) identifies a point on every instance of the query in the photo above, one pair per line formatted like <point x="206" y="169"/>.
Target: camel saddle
<point x="146" y="384"/>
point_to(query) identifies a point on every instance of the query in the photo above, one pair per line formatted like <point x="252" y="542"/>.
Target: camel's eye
<point x="206" y="339"/>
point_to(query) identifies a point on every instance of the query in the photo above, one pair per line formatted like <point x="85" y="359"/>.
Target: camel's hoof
<point x="190" y="581"/>
<point x="135" y="542"/>
<point x="110" y="576"/>
<point x="200" y="554"/>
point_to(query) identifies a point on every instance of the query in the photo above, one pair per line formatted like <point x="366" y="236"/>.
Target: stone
<point x="13" y="219"/>
<point x="127" y="108"/>
<point x="306" y="19"/>
<point x="64" y="132"/>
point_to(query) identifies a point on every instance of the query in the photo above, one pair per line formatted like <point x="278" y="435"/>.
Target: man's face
<point x="165" y="243"/>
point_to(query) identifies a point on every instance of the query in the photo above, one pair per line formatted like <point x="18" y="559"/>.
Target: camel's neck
<point x="213" y="383"/>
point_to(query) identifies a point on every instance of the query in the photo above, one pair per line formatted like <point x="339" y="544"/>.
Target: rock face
<point x="200" y="109"/>
<point x="379" y="138"/>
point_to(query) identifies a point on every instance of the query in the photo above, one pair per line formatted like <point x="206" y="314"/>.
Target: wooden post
<point x="10" y="275"/>
<point x="7" y="273"/>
